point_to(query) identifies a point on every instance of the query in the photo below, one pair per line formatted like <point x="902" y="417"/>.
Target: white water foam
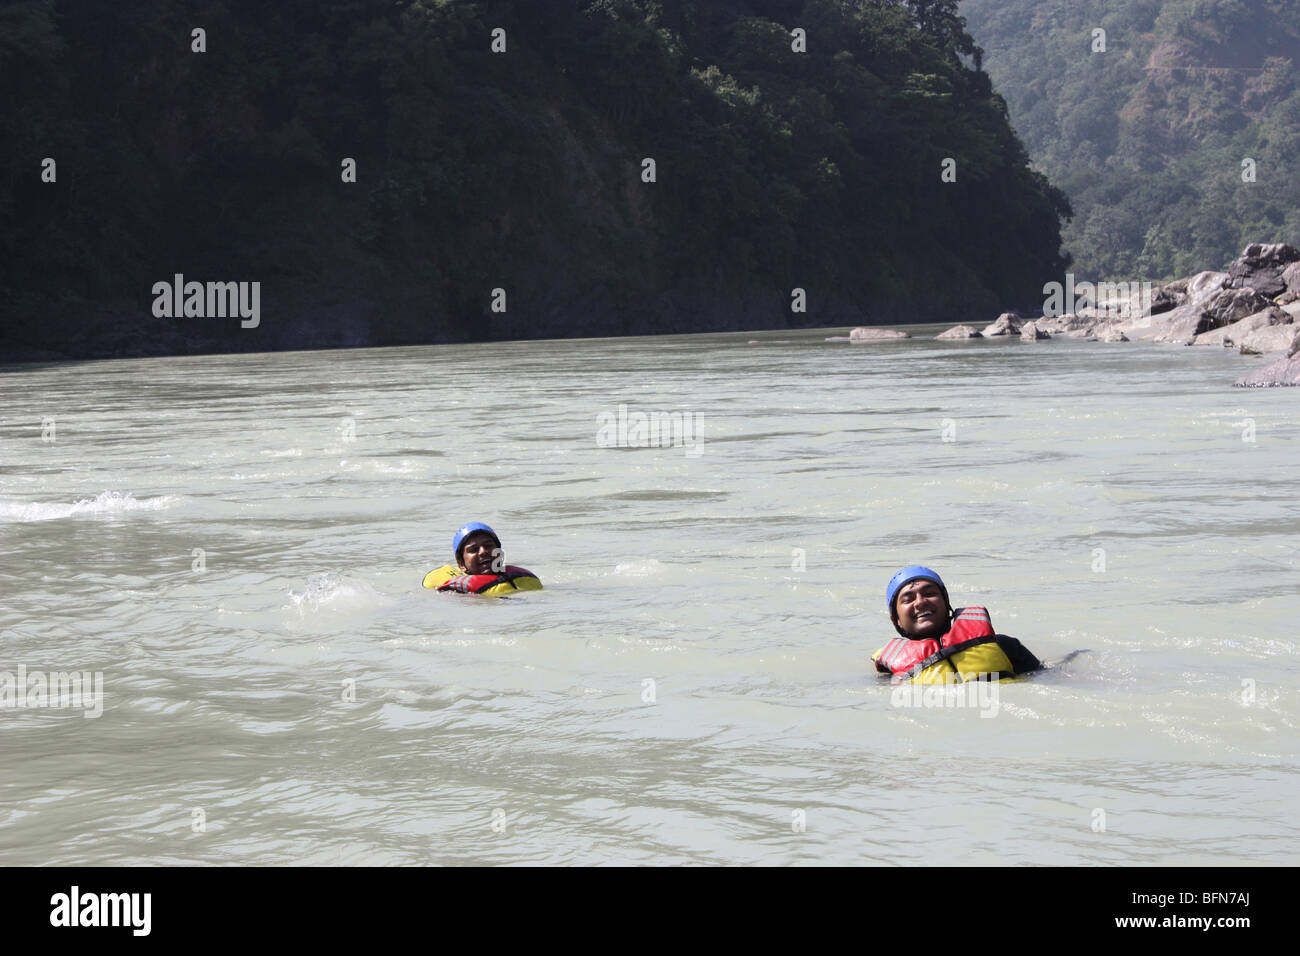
<point x="638" y="569"/>
<point x="106" y="502"/>
<point x="328" y="587"/>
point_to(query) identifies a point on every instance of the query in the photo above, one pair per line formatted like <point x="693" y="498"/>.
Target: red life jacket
<point x="903" y="653"/>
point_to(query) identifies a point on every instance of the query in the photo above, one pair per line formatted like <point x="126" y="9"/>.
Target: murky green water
<point x="693" y="686"/>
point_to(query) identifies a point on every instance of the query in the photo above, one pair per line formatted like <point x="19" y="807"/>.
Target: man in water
<point x="479" y="550"/>
<point x="480" y="566"/>
<point x="937" y="644"/>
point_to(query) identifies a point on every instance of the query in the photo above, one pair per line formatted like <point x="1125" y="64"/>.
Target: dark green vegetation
<point x="521" y="170"/>
<point x="1147" y="139"/>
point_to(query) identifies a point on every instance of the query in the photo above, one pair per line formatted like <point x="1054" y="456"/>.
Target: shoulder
<point x="440" y="576"/>
<point x="522" y="579"/>
<point x="1020" y="656"/>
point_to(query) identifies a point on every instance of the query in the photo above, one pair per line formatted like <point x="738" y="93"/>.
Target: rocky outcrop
<point x="1180" y="323"/>
<point x="1229" y="306"/>
<point x="1254" y="307"/>
<point x="1008" y="323"/>
<point x="1233" y="335"/>
<point x="1260" y="267"/>
<point x="862" y="334"/>
<point x="1185" y="310"/>
<point x="960" y="332"/>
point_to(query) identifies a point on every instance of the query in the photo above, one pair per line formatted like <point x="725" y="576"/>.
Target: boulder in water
<point x="1069" y="323"/>
<point x="1030" y="332"/>
<point x="1285" y="371"/>
<point x="861" y="334"/>
<point x="1074" y="322"/>
<point x="1008" y="323"/>
<point x="960" y="332"/>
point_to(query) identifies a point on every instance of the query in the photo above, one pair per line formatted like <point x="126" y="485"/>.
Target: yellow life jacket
<point x="512" y="580"/>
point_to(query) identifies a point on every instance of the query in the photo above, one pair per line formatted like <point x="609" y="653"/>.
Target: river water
<point x="235" y="545"/>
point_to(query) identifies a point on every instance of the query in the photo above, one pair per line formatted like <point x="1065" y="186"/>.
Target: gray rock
<point x="1070" y="322"/>
<point x="1285" y="371"/>
<point x="1168" y="298"/>
<point x="1008" y="323"/>
<point x="1234" y="334"/>
<point x="1272" y="338"/>
<point x="1291" y="276"/>
<point x="1229" y="306"/>
<point x="1111" y="335"/>
<point x="1178" y="324"/>
<point x="1030" y="332"/>
<point x="1261" y="267"/>
<point x="1205" y="284"/>
<point x="960" y="332"/>
<point x="861" y="334"/>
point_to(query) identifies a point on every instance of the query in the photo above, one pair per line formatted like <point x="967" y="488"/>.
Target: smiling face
<point x="478" y="553"/>
<point x="922" y="610"/>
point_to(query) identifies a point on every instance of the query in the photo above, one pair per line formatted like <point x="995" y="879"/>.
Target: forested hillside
<point x="521" y="169"/>
<point x="1150" y="137"/>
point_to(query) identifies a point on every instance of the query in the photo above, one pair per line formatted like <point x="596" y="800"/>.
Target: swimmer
<point x="480" y="566"/>
<point x="939" y="645"/>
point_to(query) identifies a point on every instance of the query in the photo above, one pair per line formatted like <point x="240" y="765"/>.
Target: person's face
<point x="479" y="551"/>
<point x="922" y="610"/>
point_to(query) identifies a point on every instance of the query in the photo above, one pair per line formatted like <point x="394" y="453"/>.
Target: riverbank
<point x="1252" y="307"/>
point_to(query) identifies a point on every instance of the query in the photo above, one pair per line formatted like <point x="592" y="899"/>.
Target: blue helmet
<point x="913" y="572"/>
<point x="468" y="529"/>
